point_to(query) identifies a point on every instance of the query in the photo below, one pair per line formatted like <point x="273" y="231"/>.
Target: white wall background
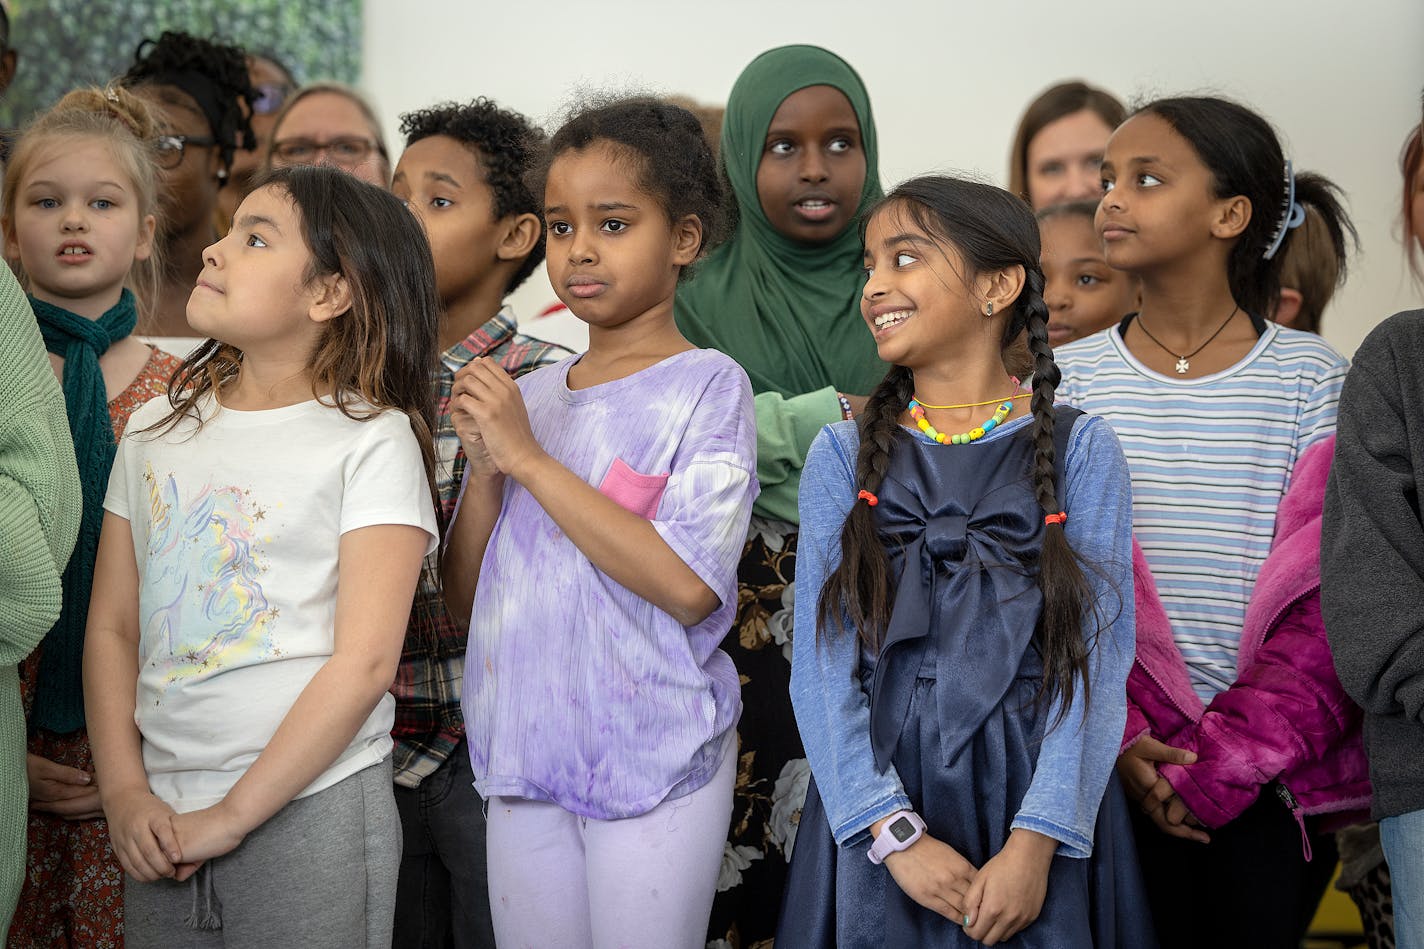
<point x="948" y="80"/>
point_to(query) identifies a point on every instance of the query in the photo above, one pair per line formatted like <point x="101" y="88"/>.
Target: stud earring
<point x="988" y="309"/>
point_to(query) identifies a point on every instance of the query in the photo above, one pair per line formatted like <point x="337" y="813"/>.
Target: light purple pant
<point x="560" y="880"/>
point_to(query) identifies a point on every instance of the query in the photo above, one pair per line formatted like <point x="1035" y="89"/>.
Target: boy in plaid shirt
<point x="462" y="174"/>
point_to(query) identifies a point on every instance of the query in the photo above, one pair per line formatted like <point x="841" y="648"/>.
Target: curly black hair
<point x="677" y="165"/>
<point x="213" y="73"/>
<point x="506" y="144"/>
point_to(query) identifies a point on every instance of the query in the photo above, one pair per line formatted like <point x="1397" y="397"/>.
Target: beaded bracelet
<point x="846" y="412"/>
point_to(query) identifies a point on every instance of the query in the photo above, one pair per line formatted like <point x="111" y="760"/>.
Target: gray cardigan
<point x="1372" y="556"/>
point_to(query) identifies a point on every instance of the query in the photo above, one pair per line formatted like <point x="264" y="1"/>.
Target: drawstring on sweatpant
<point x="207" y="908"/>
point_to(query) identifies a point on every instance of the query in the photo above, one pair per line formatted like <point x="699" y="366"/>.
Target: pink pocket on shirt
<point x="634" y="490"/>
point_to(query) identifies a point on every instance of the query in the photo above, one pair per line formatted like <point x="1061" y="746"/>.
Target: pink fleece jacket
<point x="1285" y="719"/>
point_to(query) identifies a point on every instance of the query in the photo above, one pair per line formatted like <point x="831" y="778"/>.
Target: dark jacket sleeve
<point x="1372" y="548"/>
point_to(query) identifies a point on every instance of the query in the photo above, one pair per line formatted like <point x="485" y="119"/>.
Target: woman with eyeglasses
<point x="203" y="96"/>
<point x="327" y="123"/>
<point x="272" y="84"/>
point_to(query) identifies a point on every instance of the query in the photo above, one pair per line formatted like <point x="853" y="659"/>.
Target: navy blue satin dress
<point x="953" y="704"/>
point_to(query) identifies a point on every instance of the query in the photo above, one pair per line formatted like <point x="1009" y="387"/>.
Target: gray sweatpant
<point x="320" y="873"/>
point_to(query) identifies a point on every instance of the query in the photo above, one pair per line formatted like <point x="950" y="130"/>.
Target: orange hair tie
<point x="1060" y="518"/>
<point x="868" y="498"/>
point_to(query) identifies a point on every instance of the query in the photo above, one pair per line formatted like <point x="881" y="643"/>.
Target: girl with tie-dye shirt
<point x="606" y="502"/>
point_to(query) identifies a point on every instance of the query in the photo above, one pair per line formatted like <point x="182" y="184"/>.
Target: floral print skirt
<point x="772" y="772"/>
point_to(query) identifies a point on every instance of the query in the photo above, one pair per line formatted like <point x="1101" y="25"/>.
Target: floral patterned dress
<point x="772" y="773"/>
<point x="74" y="893"/>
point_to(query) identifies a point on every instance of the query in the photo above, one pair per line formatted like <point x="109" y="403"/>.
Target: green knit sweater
<point x="39" y="518"/>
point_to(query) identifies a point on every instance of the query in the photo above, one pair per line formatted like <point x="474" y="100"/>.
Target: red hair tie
<point x="1060" y="518"/>
<point x="868" y="498"/>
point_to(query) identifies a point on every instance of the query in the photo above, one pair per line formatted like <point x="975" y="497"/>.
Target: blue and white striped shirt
<point x="1210" y="460"/>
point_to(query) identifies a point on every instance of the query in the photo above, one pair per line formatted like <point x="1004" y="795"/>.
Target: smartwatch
<point x="900" y="831"/>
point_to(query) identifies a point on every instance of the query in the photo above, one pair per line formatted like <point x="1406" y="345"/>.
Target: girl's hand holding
<point x="1007" y="894"/>
<point x="203" y="835"/>
<point x="1171" y="815"/>
<point x="70" y="793"/>
<point x="933" y="874"/>
<point x="495" y="408"/>
<point x="477" y="456"/>
<point x="1137" y="766"/>
<point x="141" y="831"/>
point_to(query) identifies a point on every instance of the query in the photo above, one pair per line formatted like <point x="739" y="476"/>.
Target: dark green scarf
<point x="59" y="697"/>
<point x="789" y="313"/>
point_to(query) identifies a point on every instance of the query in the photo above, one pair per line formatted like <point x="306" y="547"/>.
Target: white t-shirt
<point x="236" y="530"/>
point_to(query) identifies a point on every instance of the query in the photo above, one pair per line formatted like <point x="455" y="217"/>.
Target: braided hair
<point x="990" y="230"/>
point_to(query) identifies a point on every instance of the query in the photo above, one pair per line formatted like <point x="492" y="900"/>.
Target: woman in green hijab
<point x="782" y="297"/>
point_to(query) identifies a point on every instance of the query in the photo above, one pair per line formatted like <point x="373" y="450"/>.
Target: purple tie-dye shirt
<point x="578" y="691"/>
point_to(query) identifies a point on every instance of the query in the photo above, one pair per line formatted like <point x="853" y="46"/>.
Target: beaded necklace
<point x="917" y="413"/>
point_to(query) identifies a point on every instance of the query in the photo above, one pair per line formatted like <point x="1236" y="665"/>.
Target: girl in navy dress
<point x="964" y="615"/>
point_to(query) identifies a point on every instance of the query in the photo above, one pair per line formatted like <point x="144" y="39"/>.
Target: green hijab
<point x="788" y="312"/>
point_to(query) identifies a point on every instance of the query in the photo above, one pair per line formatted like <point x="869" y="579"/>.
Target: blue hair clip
<point x="1292" y="216"/>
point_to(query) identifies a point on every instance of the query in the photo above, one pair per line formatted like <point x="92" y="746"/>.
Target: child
<point x="605" y="503"/>
<point x="1374" y="577"/>
<point x="781" y="298"/>
<point x="265" y="527"/>
<point x="945" y="655"/>
<point x="80" y="195"/>
<point x="1364" y="873"/>
<point x="1082" y="292"/>
<point x="1310" y="275"/>
<point x="203" y="96"/>
<point x="462" y="174"/>
<point x="1411" y="166"/>
<point x="1236" y="722"/>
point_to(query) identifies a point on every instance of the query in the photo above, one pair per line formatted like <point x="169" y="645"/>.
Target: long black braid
<point x="990" y="230"/>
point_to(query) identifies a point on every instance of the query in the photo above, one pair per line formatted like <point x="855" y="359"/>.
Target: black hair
<point x="1244" y="156"/>
<point x="675" y="163"/>
<point x="213" y="73"/>
<point x="989" y="229"/>
<point x="506" y="145"/>
<point x="379" y="352"/>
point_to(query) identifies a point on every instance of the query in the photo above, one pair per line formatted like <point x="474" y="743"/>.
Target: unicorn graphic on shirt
<point x="202" y="604"/>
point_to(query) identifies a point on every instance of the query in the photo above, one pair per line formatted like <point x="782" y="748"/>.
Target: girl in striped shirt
<point x="1214" y="407"/>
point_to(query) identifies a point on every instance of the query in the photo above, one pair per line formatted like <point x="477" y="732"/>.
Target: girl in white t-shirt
<point x="264" y="527"/>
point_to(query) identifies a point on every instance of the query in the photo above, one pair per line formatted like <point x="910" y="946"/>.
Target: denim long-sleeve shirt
<point x="833" y="709"/>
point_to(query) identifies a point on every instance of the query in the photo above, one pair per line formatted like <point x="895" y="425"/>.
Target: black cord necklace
<point x="1183" y="363"/>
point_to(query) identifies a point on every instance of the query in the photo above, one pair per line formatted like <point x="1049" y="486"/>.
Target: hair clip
<point x="1060" y="518"/>
<point x="1292" y="215"/>
<point x="868" y="498"/>
<point x="111" y="94"/>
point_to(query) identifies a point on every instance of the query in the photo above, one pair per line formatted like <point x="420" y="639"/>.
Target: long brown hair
<point x="990" y="229"/>
<point x="1410" y="162"/>
<point x="1052" y="104"/>
<point x="379" y="355"/>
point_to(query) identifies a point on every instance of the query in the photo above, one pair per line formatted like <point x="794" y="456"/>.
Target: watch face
<point x="902" y="829"/>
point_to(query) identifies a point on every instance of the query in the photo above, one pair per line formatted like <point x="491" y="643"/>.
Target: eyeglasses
<point x="170" y="148"/>
<point x="343" y="151"/>
<point x="270" y="97"/>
